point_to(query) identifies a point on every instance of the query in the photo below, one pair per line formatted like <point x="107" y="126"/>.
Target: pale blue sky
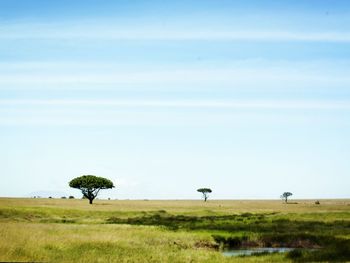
<point x="249" y="98"/>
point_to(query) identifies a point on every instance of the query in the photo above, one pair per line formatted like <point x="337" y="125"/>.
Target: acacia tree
<point x="205" y="192"/>
<point x="91" y="185"/>
<point x="285" y="196"/>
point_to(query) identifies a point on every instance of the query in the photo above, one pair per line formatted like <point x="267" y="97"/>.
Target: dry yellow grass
<point x="24" y="236"/>
<point x="183" y="206"/>
<point x="104" y="243"/>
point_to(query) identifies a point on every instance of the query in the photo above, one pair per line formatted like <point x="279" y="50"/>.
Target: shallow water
<point x="250" y="251"/>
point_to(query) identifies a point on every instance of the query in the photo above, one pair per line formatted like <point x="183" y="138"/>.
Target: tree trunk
<point x="90" y="201"/>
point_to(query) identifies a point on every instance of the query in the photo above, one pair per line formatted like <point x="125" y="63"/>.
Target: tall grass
<point x="52" y="230"/>
<point x="103" y="243"/>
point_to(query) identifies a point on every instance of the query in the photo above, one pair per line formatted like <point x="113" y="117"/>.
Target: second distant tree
<point x="285" y="196"/>
<point x="205" y="192"/>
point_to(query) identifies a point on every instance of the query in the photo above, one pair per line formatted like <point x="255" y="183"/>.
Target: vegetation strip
<point x="170" y="231"/>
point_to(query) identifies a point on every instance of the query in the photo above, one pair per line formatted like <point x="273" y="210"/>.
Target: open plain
<point x="71" y="230"/>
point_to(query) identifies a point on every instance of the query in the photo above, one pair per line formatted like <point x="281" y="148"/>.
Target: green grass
<point x="55" y="230"/>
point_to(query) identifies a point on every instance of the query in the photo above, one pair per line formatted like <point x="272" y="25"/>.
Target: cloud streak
<point x="58" y="31"/>
<point x="210" y="104"/>
<point x="217" y="76"/>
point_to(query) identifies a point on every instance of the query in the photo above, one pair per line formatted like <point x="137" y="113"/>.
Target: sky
<point x="248" y="98"/>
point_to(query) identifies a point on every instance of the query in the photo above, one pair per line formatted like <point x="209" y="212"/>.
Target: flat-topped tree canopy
<point x="205" y="192"/>
<point x="90" y="185"/>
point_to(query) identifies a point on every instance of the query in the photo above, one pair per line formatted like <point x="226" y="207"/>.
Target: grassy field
<point x="67" y="230"/>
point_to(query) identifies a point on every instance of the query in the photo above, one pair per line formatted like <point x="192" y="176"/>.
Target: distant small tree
<point x="205" y="192"/>
<point x="71" y="197"/>
<point x="91" y="185"/>
<point x="285" y="196"/>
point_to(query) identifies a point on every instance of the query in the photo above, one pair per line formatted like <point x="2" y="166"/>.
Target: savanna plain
<point x="71" y="230"/>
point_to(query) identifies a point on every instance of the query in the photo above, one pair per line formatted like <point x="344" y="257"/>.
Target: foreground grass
<point x="102" y="243"/>
<point x="52" y="230"/>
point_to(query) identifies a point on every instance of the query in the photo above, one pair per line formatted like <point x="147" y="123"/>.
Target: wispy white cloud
<point x="252" y="76"/>
<point x="170" y="113"/>
<point x="223" y="104"/>
<point x="62" y="31"/>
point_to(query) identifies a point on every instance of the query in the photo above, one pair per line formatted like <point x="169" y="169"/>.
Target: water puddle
<point x="251" y="251"/>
